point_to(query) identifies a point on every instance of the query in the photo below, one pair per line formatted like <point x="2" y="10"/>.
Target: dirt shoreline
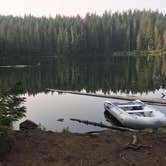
<point x="110" y="148"/>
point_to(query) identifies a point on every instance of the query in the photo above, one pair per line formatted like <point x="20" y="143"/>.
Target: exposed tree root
<point x="134" y="145"/>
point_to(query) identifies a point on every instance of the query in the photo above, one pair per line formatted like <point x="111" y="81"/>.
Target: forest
<point x="107" y="33"/>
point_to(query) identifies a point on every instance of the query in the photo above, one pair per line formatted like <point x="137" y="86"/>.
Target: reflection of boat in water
<point x="135" y="114"/>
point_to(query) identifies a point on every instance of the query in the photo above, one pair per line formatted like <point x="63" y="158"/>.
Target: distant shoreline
<point x="140" y="53"/>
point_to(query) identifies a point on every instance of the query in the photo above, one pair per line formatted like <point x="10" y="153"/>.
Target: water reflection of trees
<point x="125" y="74"/>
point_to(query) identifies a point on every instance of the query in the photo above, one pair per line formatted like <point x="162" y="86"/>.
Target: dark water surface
<point x="120" y="75"/>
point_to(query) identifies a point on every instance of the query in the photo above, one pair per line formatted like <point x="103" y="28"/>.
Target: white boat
<point x="136" y="114"/>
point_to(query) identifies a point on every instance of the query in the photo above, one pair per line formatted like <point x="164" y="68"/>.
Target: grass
<point x="162" y="129"/>
<point x="66" y="130"/>
<point x="41" y="127"/>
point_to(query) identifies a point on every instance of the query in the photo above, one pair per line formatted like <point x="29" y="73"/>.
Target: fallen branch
<point x="96" y="132"/>
<point x="103" y="125"/>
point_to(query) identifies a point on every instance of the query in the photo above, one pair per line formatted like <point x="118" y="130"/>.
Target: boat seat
<point x="131" y="107"/>
<point x="137" y="111"/>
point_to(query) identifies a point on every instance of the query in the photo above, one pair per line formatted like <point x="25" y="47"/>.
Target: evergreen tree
<point x="127" y="31"/>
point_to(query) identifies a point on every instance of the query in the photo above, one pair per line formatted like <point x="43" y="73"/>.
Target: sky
<point x="74" y="7"/>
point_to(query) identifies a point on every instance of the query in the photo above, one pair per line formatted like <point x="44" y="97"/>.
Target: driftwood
<point x="159" y="102"/>
<point x="96" y="132"/>
<point x="134" y="145"/>
<point x="102" y="125"/>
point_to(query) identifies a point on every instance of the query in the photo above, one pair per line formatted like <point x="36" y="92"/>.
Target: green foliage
<point x="18" y="89"/>
<point x="66" y="130"/>
<point x="41" y="127"/>
<point x="162" y="130"/>
<point x="127" y="31"/>
<point x="6" y="141"/>
<point x="11" y="110"/>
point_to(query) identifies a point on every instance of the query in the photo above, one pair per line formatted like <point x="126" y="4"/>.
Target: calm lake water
<point x="143" y="75"/>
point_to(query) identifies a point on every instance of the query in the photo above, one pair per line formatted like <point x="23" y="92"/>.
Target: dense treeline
<point x="137" y="30"/>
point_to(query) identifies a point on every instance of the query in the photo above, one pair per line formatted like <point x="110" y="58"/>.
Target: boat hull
<point x="159" y="119"/>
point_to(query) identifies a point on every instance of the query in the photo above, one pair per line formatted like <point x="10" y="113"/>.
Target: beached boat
<point x="136" y="114"/>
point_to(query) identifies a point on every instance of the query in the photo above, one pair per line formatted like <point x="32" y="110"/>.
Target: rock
<point x="28" y="125"/>
<point x="60" y="120"/>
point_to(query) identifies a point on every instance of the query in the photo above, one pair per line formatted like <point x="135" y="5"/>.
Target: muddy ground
<point x="41" y="148"/>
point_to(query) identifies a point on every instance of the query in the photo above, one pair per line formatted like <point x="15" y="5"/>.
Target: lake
<point x="122" y="75"/>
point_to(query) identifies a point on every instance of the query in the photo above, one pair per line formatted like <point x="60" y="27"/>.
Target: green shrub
<point x="66" y="130"/>
<point x="11" y="109"/>
<point x="41" y="127"/>
<point x="6" y="141"/>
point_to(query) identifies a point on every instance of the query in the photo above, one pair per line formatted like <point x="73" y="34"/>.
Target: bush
<point x="66" y="130"/>
<point x="11" y="109"/>
<point x="6" y="141"/>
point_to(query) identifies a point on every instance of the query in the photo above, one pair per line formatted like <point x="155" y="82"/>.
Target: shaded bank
<point x="104" y="149"/>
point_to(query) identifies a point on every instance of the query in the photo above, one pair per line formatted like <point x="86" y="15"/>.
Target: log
<point x="96" y="132"/>
<point x="160" y="102"/>
<point x="102" y="125"/>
